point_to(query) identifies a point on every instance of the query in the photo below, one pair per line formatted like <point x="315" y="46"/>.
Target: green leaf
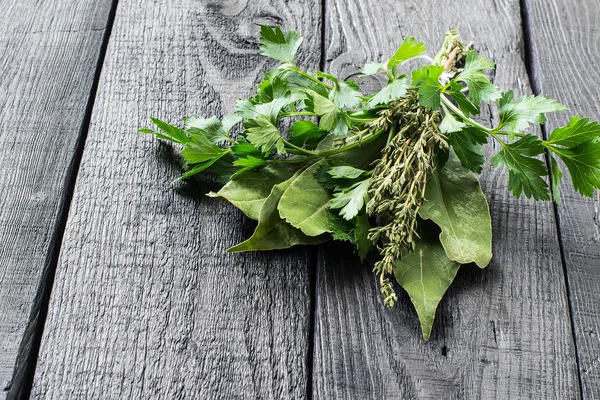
<point x="515" y="116"/>
<point x="229" y="121"/>
<point x="524" y="171"/>
<point x="392" y="91"/>
<point x="455" y="202"/>
<point x="277" y="45"/>
<point x="243" y="149"/>
<point x="467" y="145"/>
<point x="251" y="162"/>
<point x="171" y="132"/>
<point x="249" y="191"/>
<point x="480" y="88"/>
<point x="361" y="233"/>
<point x="583" y="162"/>
<point x="556" y="175"/>
<point x="576" y="132"/>
<point x="466" y="105"/>
<point x="196" y="169"/>
<point x="341" y="229"/>
<point x="323" y="107"/>
<point x="409" y="48"/>
<point x="345" y="172"/>
<point x="450" y="124"/>
<point x="425" y="274"/>
<point x="371" y="68"/>
<point x="200" y="149"/>
<point x="304" y="203"/>
<point x="262" y="134"/>
<point x="430" y="89"/>
<point x="306" y="133"/>
<point x="211" y="127"/>
<point x="351" y="201"/>
<point x="346" y="94"/>
<point x="577" y="145"/>
<point x="272" y="231"/>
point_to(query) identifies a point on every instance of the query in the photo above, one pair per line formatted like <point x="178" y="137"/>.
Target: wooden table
<point x="114" y="284"/>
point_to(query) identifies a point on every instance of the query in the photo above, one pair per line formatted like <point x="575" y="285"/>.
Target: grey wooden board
<point x="504" y="332"/>
<point x="48" y="56"/>
<point x="566" y="60"/>
<point x="146" y="302"/>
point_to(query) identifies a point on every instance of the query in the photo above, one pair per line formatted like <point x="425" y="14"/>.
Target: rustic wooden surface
<point x="48" y="57"/>
<point x="565" y="35"/>
<point x="147" y="304"/>
<point x="499" y="332"/>
<point x="145" y="295"/>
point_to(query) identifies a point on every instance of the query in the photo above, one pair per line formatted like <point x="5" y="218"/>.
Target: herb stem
<point x="300" y="114"/>
<point x="298" y="150"/>
<point x="310" y="77"/>
<point x="470" y="121"/>
<point x="311" y="155"/>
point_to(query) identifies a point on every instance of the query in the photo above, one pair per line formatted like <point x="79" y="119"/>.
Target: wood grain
<point x="566" y="63"/>
<point x="503" y="332"/>
<point x="148" y="301"/>
<point x="48" y="57"/>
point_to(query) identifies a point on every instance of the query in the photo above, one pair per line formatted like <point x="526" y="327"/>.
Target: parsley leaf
<point x="344" y="94"/>
<point x="467" y="106"/>
<point x="211" y="127"/>
<point x="345" y="172"/>
<point x="556" y="175"/>
<point x="409" y="48"/>
<point x="524" y="170"/>
<point x="169" y="132"/>
<point x="306" y="133"/>
<point x="351" y="200"/>
<point x="361" y="232"/>
<point x="262" y="134"/>
<point x="515" y="116"/>
<point x="467" y="144"/>
<point x="392" y="91"/>
<point x="430" y="89"/>
<point x="480" y="88"/>
<point x="323" y="107"/>
<point x="276" y="45"/>
<point x="576" y="132"/>
<point x="200" y="149"/>
<point x="578" y="147"/>
<point x="371" y="68"/>
<point x="583" y="162"/>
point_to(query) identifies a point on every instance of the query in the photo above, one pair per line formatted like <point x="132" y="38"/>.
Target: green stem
<point x="310" y="77"/>
<point x="321" y="154"/>
<point x="471" y="122"/>
<point x="298" y="150"/>
<point x="300" y="114"/>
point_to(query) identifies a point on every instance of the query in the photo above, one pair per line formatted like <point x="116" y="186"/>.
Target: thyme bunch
<point x="398" y="183"/>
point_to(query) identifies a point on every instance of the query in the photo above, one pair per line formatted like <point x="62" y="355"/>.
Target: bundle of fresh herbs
<point x="392" y="172"/>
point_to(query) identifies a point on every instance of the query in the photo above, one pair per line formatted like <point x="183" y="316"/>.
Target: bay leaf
<point x="455" y="202"/>
<point x="249" y="191"/>
<point x="272" y="231"/>
<point x="425" y="274"/>
<point x="304" y="203"/>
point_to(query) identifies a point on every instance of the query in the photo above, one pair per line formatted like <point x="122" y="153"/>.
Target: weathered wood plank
<point x="48" y="57"/>
<point x="503" y="332"/>
<point x="145" y="295"/>
<point x="566" y="64"/>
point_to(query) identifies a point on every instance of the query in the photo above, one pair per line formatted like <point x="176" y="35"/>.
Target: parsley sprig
<point x="392" y="172"/>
